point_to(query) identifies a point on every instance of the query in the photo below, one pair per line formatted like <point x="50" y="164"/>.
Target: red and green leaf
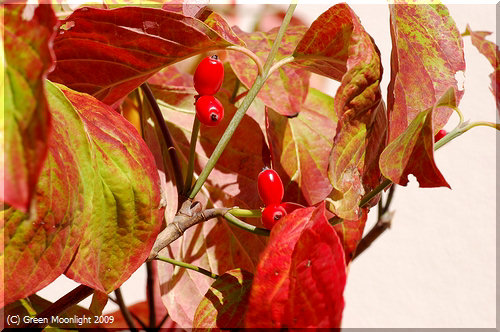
<point x="491" y="51"/>
<point x="412" y="152"/>
<point x="286" y="89"/>
<point x="300" y="148"/>
<point x="98" y="197"/>
<point x="350" y="233"/>
<point x="219" y="24"/>
<point x="337" y="46"/>
<point x="427" y="54"/>
<point x="27" y="31"/>
<point x="301" y="275"/>
<point x="225" y="302"/>
<point x="108" y="53"/>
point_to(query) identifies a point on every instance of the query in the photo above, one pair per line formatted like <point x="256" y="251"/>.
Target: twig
<point x="124" y="310"/>
<point x="382" y="224"/>
<point x="75" y="296"/>
<point x="141" y="323"/>
<point x="243" y="225"/>
<point x="187" y="266"/>
<point x="192" y="155"/>
<point x="150" y="294"/>
<point x="163" y="320"/>
<point x="166" y="136"/>
<point x="190" y="214"/>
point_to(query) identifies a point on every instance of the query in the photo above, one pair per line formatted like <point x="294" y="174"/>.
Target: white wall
<point x="436" y="266"/>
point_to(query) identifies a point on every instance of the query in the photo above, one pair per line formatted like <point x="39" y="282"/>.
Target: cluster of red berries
<point x="208" y="79"/>
<point x="271" y="193"/>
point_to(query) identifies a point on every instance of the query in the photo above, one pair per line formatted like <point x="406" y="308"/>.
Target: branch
<point x="124" y="310"/>
<point x="150" y="294"/>
<point x="166" y="136"/>
<point x="75" y="296"/>
<point x="190" y="214"/>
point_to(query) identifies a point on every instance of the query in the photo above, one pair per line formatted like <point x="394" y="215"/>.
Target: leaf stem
<point x="243" y="225"/>
<point x="124" y="310"/>
<point x="280" y="63"/>
<point x="187" y="266"/>
<point x="75" y="296"/>
<point x="166" y="136"/>
<point x="192" y="154"/>
<point x="250" y="54"/>
<point x="238" y="116"/>
<point x="237" y="212"/>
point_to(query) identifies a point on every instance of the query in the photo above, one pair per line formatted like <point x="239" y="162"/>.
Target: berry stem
<point x="187" y="266"/>
<point x="243" y="225"/>
<point x="238" y="116"/>
<point x="280" y="63"/>
<point x="192" y="154"/>
<point x="166" y="136"/>
<point x="250" y="54"/>
<point x="245" y="213"/>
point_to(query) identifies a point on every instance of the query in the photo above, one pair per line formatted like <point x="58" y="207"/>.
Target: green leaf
<point x="27" y="31"/>
<point x="412" y="152"/>
<point x="225" y="302"/>
<point x="286" y="89"/>
<point x="427" y="53"/>
<point x="300" y="148"/>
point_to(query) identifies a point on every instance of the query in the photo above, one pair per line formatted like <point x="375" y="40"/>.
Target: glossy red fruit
<point x="272" y="214"/>
<point x="209" y="110"/>
<point x="209" y="76"/>
<point x="440" y="134"/>
<point x="270" y="187"/>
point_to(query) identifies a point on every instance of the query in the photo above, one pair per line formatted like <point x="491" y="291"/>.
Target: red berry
<point x="270" y="187"/>
<point x="440" y="134"/>
<point x="209" y="110"/>
<point x="209" y="75"/>
<point x="272" y="214"/>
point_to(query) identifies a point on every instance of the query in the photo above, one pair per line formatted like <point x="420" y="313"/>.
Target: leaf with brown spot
<point x="412" y="152"/>
<point x="109" y="53"/>
<point x="27" y="31"/>
<point x="427" y="52"/>
<point x="286" y="89"/>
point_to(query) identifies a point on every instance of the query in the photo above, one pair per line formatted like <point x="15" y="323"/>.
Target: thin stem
<point x="150" y="294"/>
<point x="250" y="54"/>
<point x="162" y="320"/>
<point x="238" y="116"/>
<point x="242" y="213"/>
<point x="235" y="91"/>
<point x="166" y="136"/>
<point x="243" y="225"/>
<point x="187" y="266"/>
<point x="141" y="323"/>
<point x="280" y="63"/>
<point x="481" y="123"/>
<point x="368" y="197"/>
<point x="57" y="308"/>
<point x="124" y="310"/>
<point x="389" y="199"/>
<point x="192" y="154"/>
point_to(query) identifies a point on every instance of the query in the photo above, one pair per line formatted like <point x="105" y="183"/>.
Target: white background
<point x="436" y="266"/>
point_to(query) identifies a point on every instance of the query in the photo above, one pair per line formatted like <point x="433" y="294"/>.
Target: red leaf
<point x="27" y="31"/>
<point x="337" y="46"/>
<point x="300" y="148"/>
<point x="225" y="301"/>
<point x="350" y="233"/>
<point x="427" y="53"/>
<point x="219" y="24"/>
<point x="301" y="275"/>
<point x="412" y="152"/>
<point x="108" y="53"/>
<point x="491" y="51"/>
<point x="286" y="89"/>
